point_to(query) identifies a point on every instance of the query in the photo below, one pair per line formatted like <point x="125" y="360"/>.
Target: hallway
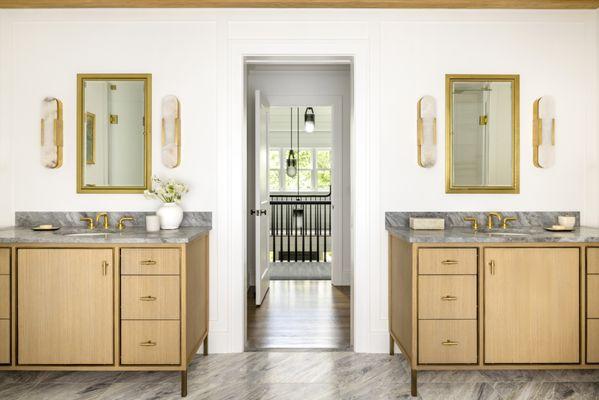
<point x="300" y="314"/>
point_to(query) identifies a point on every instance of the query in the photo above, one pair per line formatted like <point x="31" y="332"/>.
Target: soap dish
<point x="558" y="228"/>
<point x="45" y="228"/>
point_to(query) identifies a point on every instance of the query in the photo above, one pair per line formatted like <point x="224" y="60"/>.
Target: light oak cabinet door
<point x="531" y="304"/>
<point x="66" y="306"/>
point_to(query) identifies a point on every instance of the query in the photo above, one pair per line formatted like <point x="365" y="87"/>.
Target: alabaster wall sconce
<point x="543" y="136"/>
<point x="171" y="132"/>
<point x="427" y="132"/>
<point x="51" y="133"/>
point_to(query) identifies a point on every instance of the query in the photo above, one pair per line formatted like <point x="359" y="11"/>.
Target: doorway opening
<point x="298" y="232"/>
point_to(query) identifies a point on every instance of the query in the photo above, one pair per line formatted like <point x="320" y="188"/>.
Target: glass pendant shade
<point x="309" y="120"/>
<point x="298" y="216"/>
<point x="291" y="169"/>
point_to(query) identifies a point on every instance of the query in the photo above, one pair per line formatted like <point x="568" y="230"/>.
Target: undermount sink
<point x="508" y="234"/>
<point x="85" y="233"/>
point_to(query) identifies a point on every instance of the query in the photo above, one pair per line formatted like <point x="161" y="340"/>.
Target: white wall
<point x="408" y="53"/>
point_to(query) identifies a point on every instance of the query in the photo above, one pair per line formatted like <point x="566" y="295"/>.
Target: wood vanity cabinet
<point x="456" y="306"/>
<point x="137" y="307"/>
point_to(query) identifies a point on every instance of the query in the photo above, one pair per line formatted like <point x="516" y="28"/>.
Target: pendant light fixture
<point x="291" y="169"/>
<point x="309" y="120"/>
<point x="298" y="212"/>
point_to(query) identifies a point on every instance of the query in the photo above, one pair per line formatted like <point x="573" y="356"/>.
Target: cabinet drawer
<point x="447" y="261"/>
<point x="593" y="260"/>
<point x="4" y="341"/>
<point x="447" y="297"/>
<point x="593" y="296"/>
<point x="150" y="297"/>
<point x="447" y="342"/>
<point x="4" y="296"/>
<point x="150" y="342"/>
<point x="593" y="341"/>
<point x="150" y="261"/>
<point x="4" y="261"/>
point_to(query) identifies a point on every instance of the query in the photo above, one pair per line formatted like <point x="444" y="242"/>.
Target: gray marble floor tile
<point x="86" y="377"/>
<point x="458" y="391"/>
<point x="70" y="391"/>
<point x="15" y="391"/>
<point x="10" y="377"/>
<point x="139" y="390"/>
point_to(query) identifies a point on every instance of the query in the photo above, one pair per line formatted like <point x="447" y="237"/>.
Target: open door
<point x="262" y="208"/>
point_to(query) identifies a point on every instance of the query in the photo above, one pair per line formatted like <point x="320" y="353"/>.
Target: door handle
<point x="449" y="298"/>
<point x="148" y="298"/>
<point x="257" y="213"/>
<point x="149" y="343"/>
<point x="449" y="262"/>
<point x="492" y="266"/>
<point x="104" y="267"/>
<point x="449" y="343"/>
<point x="147" y="262"/>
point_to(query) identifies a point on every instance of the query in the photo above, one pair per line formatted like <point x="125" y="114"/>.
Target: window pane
<point x="323" y="180"/>
<point x="305" y="159"/>
<point x="323" y="159"/>
<point x="290" y="183"/>
<point x="273" y="180"/>
<point x="274" y="161"/>
<point x="305" y="180"/>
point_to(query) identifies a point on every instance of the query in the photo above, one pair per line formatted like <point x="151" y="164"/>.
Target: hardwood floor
<point x="300" y="315"/>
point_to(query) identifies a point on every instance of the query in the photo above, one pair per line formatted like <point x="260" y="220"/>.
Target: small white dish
<point x="44" y="228"/>
<point x="558" y="228"/>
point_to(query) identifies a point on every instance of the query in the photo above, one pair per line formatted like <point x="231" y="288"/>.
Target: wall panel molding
<point x="473" y="4"/>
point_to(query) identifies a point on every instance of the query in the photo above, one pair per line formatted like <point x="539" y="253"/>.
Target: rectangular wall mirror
<point x="482" y="133"/>
<point x="114" y="135"/>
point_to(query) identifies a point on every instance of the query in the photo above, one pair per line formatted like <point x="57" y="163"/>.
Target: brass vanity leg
<point x="184" y="383"/>
<point x="414" y="388"/>
<point x="206" y="346"/>
<point x="391" y="345"/>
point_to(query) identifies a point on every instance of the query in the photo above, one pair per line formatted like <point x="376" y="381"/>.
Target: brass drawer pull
<point x="492" y="265"/>
<point x="449" y="343"/>
<point x="104" y="267"/>
<point x="149" y="343"/>
<point x="449" y="298"/>
<point x="148" y="298"/>
<point x="449" y="262"/>
<point x="148" y="262"/>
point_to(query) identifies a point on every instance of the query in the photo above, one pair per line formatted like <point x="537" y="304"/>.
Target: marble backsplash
<point x="72" y="218"/>
<point x="456" y="218"/>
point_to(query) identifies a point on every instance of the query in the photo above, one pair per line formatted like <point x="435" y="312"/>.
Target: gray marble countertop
<point x="76" y="235"/>
<point x="530" y="234"/>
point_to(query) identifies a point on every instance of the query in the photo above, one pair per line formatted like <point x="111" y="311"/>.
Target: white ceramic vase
<point x="171" y="215"/>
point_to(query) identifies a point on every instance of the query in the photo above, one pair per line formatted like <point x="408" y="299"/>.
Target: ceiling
<point x="472" y="4"/>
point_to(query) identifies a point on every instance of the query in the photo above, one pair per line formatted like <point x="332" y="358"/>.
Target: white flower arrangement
<point x="169" y="191"/>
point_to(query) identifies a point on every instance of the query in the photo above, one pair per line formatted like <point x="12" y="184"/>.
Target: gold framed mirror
<point x="114" y="139"/>
<point x="482" y="134"/>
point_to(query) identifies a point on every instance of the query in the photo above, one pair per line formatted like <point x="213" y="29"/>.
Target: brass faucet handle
<point x="504" y="222"/>
<point x="90" y="222"/>
<point x="104" y="215"/>
<point x="490" y="219"/>
<point x="474" y="222"/>
<point x="121" y="224"/>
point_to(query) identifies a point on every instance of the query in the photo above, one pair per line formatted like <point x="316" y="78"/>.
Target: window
<point x="314" y="170"/>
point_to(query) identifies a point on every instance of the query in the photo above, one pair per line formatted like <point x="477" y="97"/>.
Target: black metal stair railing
<point x="300" y="226"/>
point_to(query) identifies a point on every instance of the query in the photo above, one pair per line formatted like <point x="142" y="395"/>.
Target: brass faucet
<point x="105" y="216"/>
<point x="121" y="224"/>
<point x="90" y="222"/>
<point x="506" y="220"/>
<point x="490" y="219"/>
<point x="474" y="222"/>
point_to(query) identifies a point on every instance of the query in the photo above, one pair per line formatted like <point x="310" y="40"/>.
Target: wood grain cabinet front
<point x="150" y="297"/>
<point x="4" y="261"/>
<point x="593" y="260"/>
<point x="4" y="296"/>
<point x="4" y="341"/>
<point x="593" y="341"/>
<point x="532" y="305"/>
<point x="447" y="261"/>
<point x="150" y="261"/>
<point x="66" y="306"/>
<point x="447" y="342"/>
<point x="447" y="297"/>
<point x="150" y="342"/>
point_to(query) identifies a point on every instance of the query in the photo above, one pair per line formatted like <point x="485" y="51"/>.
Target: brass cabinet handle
<point x="104" y="267"/>
<point x="449" y="298"/>
<point x="147" y="262"/>
<point x="148" y="298"/>
<point x="449" y="343"/>
<point x="149" y="343"/>
<point x="449" y="262"/>
<point x="492" y="265"/>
